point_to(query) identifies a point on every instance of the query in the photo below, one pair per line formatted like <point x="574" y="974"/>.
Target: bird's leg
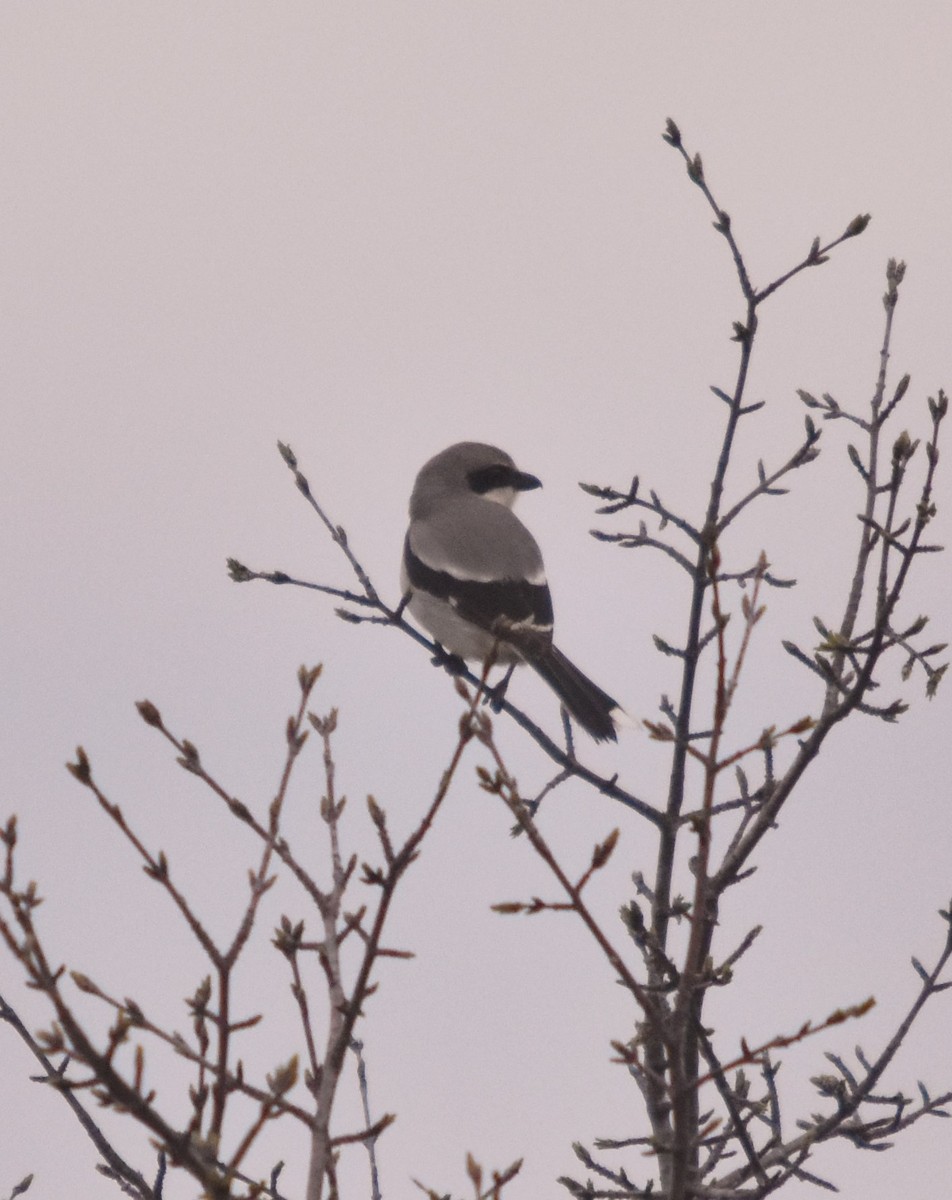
<point x="495" y="695"/>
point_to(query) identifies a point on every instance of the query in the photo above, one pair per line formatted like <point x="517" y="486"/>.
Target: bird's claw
<point x="450" y="662"/>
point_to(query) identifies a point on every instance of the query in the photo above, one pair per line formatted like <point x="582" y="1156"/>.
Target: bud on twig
<point x="857" y="225"/>
<point x="149" y="713"/>
<point x="190" y="759"/>
<point x="238" y="571"/>
<point x="903" y="449"/>
<point x="80" y="769"/>
<point x="603" y="851"/>
<point x="895" y="273"/>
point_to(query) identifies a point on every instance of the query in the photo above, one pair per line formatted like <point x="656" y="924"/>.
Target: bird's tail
<point x="594" y="709"/>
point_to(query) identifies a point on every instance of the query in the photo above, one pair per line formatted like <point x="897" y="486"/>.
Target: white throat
<point x="502" y="495"/>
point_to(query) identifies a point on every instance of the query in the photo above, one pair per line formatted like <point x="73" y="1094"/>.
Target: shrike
<point x="475" y="577"/>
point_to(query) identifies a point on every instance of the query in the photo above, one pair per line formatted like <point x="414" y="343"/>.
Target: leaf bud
<point x="149" y="713"/>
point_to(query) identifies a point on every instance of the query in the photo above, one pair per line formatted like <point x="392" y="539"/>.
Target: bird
<point x="473" y="576"/>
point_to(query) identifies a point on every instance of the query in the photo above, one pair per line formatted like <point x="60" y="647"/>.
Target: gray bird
<point x="475" y="578"/>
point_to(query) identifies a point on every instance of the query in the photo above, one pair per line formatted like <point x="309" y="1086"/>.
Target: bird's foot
<point x="495" y="695"/>
<point x="449" y="662"/>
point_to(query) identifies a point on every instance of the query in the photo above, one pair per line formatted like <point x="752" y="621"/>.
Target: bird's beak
<point x="523" y="482"/>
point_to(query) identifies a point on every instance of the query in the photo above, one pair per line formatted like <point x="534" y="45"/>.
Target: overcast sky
<point x="372" y="230"/>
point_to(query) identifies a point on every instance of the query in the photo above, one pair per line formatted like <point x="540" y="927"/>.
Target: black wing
<point x="489" y="604"/>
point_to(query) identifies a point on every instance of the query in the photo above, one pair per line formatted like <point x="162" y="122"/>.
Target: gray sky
<point x="373" y="230"/>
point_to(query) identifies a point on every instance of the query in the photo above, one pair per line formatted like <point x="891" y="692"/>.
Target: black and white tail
<point x="594" y="709"/>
